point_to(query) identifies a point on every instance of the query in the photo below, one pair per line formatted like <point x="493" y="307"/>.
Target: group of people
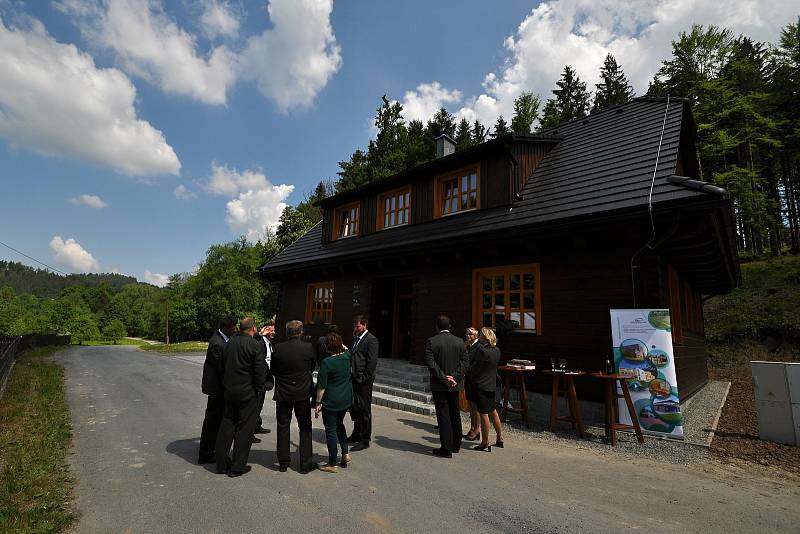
<point x="242" y="365"/>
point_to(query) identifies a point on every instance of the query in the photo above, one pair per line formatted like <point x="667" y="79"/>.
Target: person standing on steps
<point x="447" y="362"/>
<point x="212" y="386"/>
<point x="364" y="360"/>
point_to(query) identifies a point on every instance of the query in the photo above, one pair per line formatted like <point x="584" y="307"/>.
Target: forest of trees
<point x="745" y="98"/>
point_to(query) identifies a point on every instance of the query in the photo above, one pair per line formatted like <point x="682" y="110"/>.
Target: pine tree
<point x="614" y="88"/>
<point x="416" y="147"/>
<point x="354" y="173"/>
<point x="500" y="128"/>
<point x="526" y="111"/>
<point x="463" y="135"/>
<point x="571" y="100"/>
<point x="441" y="123"/>
<point x="478" y="133"/>
<point x="386" y="153"/>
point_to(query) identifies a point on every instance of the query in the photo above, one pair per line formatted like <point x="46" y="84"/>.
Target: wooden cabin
<point x="538" y="236"/>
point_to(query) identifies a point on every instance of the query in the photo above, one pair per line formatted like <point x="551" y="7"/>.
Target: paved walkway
<point x="137" y="417"/>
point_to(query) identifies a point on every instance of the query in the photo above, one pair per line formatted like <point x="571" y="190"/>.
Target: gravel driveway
<point x="137" y="416"/>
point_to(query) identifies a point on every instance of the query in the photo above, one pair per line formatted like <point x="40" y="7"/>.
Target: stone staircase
<point x="403" y="386"/>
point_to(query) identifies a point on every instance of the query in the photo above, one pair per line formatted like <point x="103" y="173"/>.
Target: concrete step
<point x="400" y="374"/>
<point x="402" y="404"/>
<point x="402" y="383"/>
<point x="404" y="393"/>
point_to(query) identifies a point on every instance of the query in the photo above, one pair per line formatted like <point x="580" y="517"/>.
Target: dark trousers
<point x="215" y="411"/>
<point x="283" y="415"/>
<point x="335" y="433"/>
<point x="237" y="428"/>
<point x="259" y="421"/>
<point x="448" y="416"/>
<point x="361" y="410"/>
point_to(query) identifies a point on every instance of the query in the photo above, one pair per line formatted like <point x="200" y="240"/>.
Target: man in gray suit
<point x="447" y="361"/>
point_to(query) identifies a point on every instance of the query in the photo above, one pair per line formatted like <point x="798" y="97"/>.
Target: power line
<point x="34" y="259"/>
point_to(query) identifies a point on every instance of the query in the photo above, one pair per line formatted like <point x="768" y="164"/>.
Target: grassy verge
<point x="35" y="434"/>
<point x="186" y="346"/>
<point x="123" y="341"/>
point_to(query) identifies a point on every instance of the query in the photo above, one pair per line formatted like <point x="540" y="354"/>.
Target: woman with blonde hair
<point x="471" y="342"/>
<point x="483" y="376"/>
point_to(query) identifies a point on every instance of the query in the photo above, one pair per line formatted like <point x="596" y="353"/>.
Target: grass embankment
<point x="758" y="321"/>
<point x="123" y="341"/>
<point x="35" y="434"/>
<point x="186" y="346"/>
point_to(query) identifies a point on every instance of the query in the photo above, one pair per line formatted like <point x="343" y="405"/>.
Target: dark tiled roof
<point x="603" y="163"/>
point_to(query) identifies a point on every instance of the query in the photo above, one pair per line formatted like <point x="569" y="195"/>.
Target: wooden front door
<point x="402" y="327"/>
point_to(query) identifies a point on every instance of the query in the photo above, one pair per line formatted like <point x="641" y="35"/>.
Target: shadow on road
<point x="421" y="425"/>
<point x="186" y="449"/>
<point x="402" y="445"/>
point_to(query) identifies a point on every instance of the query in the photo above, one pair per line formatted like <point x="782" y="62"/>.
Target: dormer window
<point x="457" y="191"/>
<point x="394" y="208"/>
<point x="346" y="221"/>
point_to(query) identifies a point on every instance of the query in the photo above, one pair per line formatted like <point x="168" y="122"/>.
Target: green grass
<point x="186" y="346"/>
<point x="35" y="432"/>
<point x="123" y="341"/>
<point x="765" y="308"/>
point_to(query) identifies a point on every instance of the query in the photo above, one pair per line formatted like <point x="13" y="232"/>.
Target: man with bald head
<point x="244" y="375"/>
<point x="292" y="364"/>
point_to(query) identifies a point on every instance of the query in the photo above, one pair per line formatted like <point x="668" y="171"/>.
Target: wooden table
<point x="515" y="377"/>
<point x="574" y="417"/>
<point x="610" y="381"/>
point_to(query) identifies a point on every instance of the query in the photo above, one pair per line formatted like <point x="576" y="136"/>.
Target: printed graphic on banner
<point x="643" y="352"/>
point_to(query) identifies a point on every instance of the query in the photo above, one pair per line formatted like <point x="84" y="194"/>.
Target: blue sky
<point x="134" y="134"/>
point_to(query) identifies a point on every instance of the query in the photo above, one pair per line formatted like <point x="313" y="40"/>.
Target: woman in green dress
<point x="334" y="398"/>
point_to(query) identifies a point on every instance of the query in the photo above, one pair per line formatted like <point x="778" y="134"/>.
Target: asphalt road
<point x="137" y="417"/>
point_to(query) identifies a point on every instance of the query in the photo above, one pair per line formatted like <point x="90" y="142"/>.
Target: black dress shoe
<point x="255" y="440"/>
<point x="306" y="470"/>
<point x="283" y="468"/>
<point x="209" y="460"/>
<point x="476" y="437"/>
<point x="261" y="430"/>
<point x="456" y="451"/>
<point x="353" y="439"/>
<point x="441" y="453"/>
<point x="360" y="446"/>
<point x="234" y="474"/>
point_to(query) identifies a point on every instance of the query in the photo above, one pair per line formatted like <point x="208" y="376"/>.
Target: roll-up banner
<point x="643" y="352"/>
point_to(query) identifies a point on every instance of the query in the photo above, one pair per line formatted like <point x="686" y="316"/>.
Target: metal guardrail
<point x="9" y="348"/>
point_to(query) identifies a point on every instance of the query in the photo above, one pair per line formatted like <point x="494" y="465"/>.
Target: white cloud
<point x="295" y="59"/>
<point x="423" y="102"/>
<point x="157" y="279"/>
<point x="219" y="19"/>
<point x="93" y="201"/>
<point x="73" y="256"/>
<point x="56" y="102"/>
<point x="254" y="211"/>
<point x="184" y="193"/>
<point x="147" y="43"/>
<point x="581" y="32"/>
<point x="230" y="182"/>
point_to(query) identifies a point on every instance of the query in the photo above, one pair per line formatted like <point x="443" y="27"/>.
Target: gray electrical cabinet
<point x="777" y="396"/>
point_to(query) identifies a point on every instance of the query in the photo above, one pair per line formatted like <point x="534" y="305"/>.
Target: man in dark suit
<point x="292" y="364"/>
<point x="265" y="335"/>
<point x="320" y="349"/>
<point x="446" y="358"/>
<point x="212" y="386"/>
<point x="244" y="375"/>
<point x="364" y="361"/>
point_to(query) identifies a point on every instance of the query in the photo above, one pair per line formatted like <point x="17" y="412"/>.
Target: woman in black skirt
<point x="473" y="347"/>
<point x="483" y="375"/>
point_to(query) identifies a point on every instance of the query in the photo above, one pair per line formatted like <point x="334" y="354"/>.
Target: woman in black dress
<point x="483" y="376"/>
